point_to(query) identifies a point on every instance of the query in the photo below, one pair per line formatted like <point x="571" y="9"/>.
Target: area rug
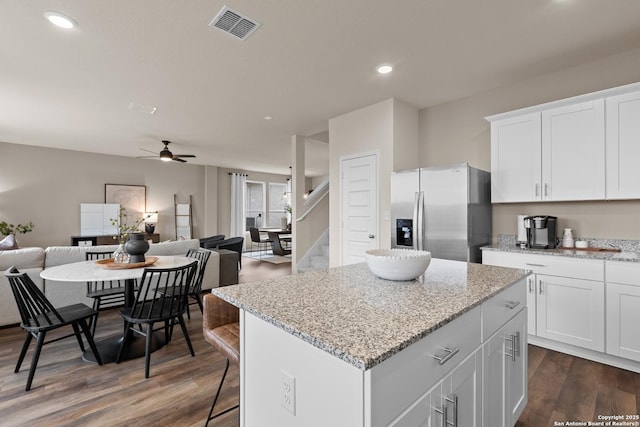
<point x="276" y="259"/>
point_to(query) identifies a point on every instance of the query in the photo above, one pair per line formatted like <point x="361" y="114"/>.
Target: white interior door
<point x="359" y="207"/>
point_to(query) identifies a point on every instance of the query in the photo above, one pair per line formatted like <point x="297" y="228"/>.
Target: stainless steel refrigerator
<point x="444" y="210"/>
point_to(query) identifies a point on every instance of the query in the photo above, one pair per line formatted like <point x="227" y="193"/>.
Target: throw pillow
<point x="8" y="243"/>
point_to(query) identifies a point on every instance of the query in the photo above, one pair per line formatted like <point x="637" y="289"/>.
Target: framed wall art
<point x="132" y="197"/>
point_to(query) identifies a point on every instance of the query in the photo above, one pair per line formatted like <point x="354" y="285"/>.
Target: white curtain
<point x="238" y="185"/>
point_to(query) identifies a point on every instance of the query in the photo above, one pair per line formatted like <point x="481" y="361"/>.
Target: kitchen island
<point x="343" y="347"/>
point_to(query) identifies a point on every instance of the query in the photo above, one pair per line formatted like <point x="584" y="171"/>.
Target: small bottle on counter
<point x="567" y="238"/>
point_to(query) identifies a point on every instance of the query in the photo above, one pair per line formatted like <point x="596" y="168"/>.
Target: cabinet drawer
<point x="398" y="381"/>
<point x="588" y="269"/>
<point x="552" y="265"/>
<point x="627" y="273"/>
<point x="500" y="309"/>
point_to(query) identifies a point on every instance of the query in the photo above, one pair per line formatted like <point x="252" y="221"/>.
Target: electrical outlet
<point x="288" y="392"/>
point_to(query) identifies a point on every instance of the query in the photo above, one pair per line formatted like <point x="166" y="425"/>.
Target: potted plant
<point x="11" y="230"/>
<point x="124" y="230"/>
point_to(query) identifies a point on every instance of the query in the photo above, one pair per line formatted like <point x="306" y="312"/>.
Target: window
<point x="254" y="204"/>
<point x="265" y="208"/>
<point x="277" y="201"/>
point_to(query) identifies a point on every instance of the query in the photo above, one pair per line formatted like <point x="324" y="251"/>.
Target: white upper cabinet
<point x="562" y="150"/>
<point x="515" y="159"/>
<point x="573" y="152"/>
<point x="623" y="146"/>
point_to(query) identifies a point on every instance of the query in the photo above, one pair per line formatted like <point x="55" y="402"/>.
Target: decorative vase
<point x="136" y="247"/>
<point x="120" y="256"/>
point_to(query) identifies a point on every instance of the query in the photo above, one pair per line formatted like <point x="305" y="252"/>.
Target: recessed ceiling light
<point x="385" y="69"/>
<point x="268" y="117"/>
<point x="60" y="20"/>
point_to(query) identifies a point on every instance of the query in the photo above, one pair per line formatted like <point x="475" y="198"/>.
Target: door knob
<point x="372" y="236"/>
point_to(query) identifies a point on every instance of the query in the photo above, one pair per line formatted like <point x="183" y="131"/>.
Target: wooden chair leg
<point x="23" y="352"/>
<point x="89" y="337"/>
<point x="76" y="331"/>
<point x="34" y="360"/>
<point x="125" y="338"/>
<point x="198" y="298"/>
<point x="147" y="350"/>
<point x="186" y="334"/>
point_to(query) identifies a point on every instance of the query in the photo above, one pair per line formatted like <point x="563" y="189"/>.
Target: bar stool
<point x="221" y="329"/>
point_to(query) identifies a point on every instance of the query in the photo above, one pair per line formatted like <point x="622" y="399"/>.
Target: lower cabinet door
<point x="571" y="311"/>
<point x="464" y="401"/>
<point x="623" y="318"/>
<point x="516" y="364"/>
<point x="504" y="385"/>
<point x="456" y="401"/>
<point x="494" y="379"/>
<point x="424" y="412"/>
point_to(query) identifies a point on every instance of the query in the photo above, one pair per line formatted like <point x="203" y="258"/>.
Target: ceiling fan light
<point x="166" y="156"/>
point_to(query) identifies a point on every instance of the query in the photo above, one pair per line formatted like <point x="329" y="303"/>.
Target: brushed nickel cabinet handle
<point x="449" y="353"/>
<point x="512" y="304"/>
<point x="455" y="410"/>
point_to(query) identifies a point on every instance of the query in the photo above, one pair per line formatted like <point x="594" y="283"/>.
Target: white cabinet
<point x="516" y="159"/>
<point x="555" y="154"/>
<point x="573" y="148"/>
<point x="571" y="311"/>
<point x="623" y="309"/>
<point x="505" y="374"/>
<point x="455" y="401"/>
<point x="622" y="147"/>
<point x="565" y="296"/>
<point x="581" y="148"/>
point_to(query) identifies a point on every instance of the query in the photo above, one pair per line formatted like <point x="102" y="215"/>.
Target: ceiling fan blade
<point x="177" y="159"/>
<point x="184" y="155"/>
<point x="147" y="157"/>
<point x="149" y="151"/>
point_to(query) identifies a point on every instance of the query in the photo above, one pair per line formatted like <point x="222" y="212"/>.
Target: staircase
<point x="318" y="256"/>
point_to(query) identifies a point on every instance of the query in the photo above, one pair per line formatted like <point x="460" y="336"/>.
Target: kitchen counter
<point x="603" y="255"/>
<point x="361" y="319"/>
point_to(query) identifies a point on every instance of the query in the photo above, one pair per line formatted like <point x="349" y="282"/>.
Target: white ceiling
<point x="311" y="60"/>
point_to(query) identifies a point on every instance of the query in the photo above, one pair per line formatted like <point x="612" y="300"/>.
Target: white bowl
<point x="582" y="244"/>
<point x="397" y="264"/>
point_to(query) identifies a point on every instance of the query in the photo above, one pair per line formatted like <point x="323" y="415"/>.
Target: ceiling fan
<point x="166" y="155"/>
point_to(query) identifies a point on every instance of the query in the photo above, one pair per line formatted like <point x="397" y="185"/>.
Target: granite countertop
<point x="361" y="319"/>
<point x="630" y="249"/>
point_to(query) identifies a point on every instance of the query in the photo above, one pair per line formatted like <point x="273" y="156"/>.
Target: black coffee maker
<point x="541" y="231"/>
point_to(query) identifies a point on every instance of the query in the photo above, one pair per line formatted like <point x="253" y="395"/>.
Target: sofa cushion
<point x="22" y="258"/>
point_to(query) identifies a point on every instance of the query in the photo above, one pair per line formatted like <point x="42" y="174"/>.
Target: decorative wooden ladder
<point x="183" y="218"/>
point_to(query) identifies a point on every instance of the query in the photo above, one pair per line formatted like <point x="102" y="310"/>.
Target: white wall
<point x="389" y="128"/>
<point x="457" y="132"/>
<point x="46" y="186"/>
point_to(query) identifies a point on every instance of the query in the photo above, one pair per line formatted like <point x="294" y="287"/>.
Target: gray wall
<point x="457" y="132"/>
<point x="46" y="186"/>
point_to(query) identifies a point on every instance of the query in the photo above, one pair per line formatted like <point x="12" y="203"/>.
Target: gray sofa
<point x="34" y="260"/>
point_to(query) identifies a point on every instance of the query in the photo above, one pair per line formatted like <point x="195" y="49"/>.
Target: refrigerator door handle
<point x="418" y="221"/>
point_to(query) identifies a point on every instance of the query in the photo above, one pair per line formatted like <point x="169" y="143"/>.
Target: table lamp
<point x="150" y="221"/>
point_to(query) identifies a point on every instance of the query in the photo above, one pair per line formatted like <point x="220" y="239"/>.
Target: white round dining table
<point x="92" y="271"/>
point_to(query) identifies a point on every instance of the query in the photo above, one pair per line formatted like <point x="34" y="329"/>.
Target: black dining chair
<point x="38" y="316"/>
<point x="161" y="297"/>
<point x="262" y="242"/>
<point x="195" y="290"/>
<point x="105" y="294"/>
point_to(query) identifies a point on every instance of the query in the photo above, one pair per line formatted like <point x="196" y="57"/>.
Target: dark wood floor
<point x="69" y="392"/>
<point x="565" y="388"/>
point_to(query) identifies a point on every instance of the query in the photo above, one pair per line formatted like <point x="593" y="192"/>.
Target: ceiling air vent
<point x="234" y="23"/>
